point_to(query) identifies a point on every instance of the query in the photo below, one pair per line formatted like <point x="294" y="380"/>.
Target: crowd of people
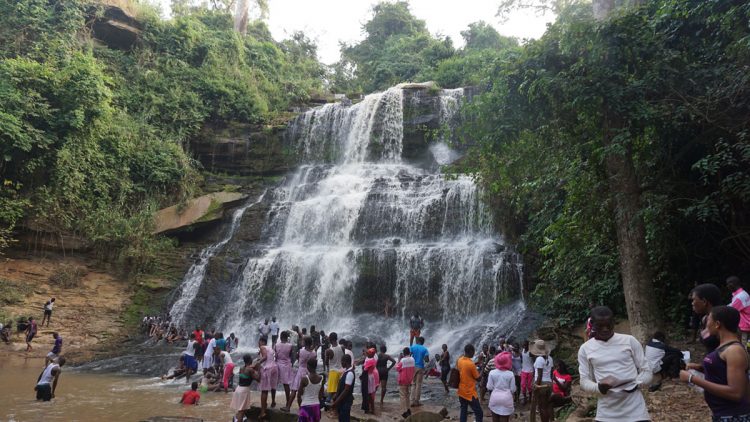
<point x="613" y="366"/>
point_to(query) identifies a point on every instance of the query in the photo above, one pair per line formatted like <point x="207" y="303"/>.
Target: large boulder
<point x="198" y="211"/>
<point x="115" y="27"/>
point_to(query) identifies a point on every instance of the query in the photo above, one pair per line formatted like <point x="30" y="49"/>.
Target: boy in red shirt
<point x="191" y="396"/>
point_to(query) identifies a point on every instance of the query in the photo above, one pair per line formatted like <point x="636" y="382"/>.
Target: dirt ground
<point x="86" y="316"/>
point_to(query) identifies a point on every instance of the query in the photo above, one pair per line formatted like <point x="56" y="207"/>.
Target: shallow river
<point x="98" y="397"/>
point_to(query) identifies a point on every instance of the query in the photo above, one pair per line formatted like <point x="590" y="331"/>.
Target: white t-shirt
<point x="349" y="380"/>
<point x="526" y="364"/>
<point x="546" y="366"/>
<point x="274" y="328"/>
<point x="190" y="350"/>
<point x="226" y="358"/>
<point x="654" y="356"/>
<point x="48" y="306"/>
<point x="264" y="329"/>
<point x="210" y="348"/>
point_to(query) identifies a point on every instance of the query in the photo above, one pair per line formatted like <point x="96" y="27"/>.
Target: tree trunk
<point x="637" y="281"/>
<point x="241" y="16"/>
<point x="602" y="8"/>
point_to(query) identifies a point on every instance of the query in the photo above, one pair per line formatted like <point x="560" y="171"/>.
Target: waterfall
<point x="191" y="283"/>
<point x="357" y="239"/>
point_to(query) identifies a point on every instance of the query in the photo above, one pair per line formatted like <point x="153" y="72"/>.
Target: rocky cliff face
<point x="243" y="149"/>
<point x="115" y="27"/>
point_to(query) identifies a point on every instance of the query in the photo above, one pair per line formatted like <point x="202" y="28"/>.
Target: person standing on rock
<point x="283" y="352"/>
<point x="502" y="385"/>
<point x="613" y="365"/>
<point x="191" y="364"/>
<point x="56" y="349"/>
<point x="208" y="355"/>
<point x="47" y="384"/>
<point x="305" y="354"/>
<point x="325" y="344"/>
<point x="527" y="373"/>
<point x="31" y="329"/>
<point x="467" y="386"/>
<point x="445" y="366"/>
<point x="48" y="311"/>
<point x="405" y="368"/>
<point x="241" y="396"/>
<point x="264" y="329"/>
<point x="333" y="357"/>
<point x="198" y="333"/>
<point x="420" y="354"/>
<point x="543" y="365"/>
<point x="384" y="367"/>
<point x="274" y="331"/>
<point x="416" y="323"/>
<point x="269" y="376"/>
<point x="310" y="394"/>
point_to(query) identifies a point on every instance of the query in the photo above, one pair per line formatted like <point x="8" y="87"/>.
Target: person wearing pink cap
<point x="502" y="383"/>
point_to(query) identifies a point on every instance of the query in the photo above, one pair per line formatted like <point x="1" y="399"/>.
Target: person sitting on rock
<point x="179" y="371"/>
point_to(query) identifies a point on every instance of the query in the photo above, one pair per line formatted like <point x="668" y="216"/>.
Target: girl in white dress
<point x="502" y="383"/>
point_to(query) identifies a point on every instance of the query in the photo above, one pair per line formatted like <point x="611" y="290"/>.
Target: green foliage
<point x="538" y="136"/>
<point x="397" y="48"/>
<point x="91" y="139"/>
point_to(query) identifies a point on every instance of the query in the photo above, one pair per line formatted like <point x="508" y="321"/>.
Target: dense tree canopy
<point x="91" y="138"/>
<point x="398" y="48"/>
<point x="669" y="82"/>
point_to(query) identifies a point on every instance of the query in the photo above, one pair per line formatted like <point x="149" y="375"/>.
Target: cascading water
<point x="197" y="272"/>
<point x="356" y="240"/>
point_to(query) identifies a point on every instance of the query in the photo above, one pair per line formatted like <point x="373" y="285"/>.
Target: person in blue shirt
<point x="420" y="355"/>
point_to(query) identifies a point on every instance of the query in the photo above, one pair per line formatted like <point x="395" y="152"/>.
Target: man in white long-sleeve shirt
<point x="613" y="366"/>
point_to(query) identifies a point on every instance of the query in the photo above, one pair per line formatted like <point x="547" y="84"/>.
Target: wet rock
<point x="243" y="149"/>
<point x="427" y="416"/>
<point x="274" y="415"/>
<point x="204" y="209"/>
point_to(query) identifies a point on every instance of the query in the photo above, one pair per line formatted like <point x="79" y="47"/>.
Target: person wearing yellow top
<point x="467" y="385"/>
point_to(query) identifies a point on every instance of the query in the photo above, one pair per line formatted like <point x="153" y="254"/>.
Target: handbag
<point x="454" y="378"/>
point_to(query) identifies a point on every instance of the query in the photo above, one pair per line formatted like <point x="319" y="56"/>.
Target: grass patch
<point x="13" y="293"/>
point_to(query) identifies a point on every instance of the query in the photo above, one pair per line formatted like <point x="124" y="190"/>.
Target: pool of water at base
<point x="87" y="397"/>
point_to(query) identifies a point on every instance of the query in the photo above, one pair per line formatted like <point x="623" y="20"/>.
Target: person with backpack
<point x="725" y="386"/>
